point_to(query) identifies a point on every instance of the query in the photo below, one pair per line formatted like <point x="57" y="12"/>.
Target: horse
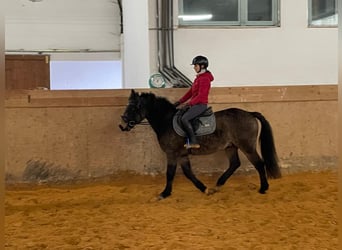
<point x="236" y="129"/>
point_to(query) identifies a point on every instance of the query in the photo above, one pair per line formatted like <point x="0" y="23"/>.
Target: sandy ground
<point x="298" y="212"/>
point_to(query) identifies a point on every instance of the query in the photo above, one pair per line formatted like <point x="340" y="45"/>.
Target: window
<point x="323" y="13"/>
<point x="228" y="12"/>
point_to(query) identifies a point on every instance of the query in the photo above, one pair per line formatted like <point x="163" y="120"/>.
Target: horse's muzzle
<point x="123" y="128"/>
<point x="129" y="124"/>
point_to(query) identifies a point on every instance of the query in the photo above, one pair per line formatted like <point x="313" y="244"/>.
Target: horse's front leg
<point x="170" y="175"/>
<point x="186" y="167"/>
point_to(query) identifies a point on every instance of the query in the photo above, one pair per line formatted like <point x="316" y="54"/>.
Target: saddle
<point x="203" y="124"/>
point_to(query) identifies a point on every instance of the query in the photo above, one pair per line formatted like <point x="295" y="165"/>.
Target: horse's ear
<point x="132" y="93"/>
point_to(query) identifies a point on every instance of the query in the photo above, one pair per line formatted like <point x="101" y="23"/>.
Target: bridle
<point x="131" y="124"/>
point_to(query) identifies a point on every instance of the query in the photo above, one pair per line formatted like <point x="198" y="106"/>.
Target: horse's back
<point x="235" y="115"/>
<point x="236" y="122"/>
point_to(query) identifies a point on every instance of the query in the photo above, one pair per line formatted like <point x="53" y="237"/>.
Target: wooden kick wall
<point x="63" y="135"/>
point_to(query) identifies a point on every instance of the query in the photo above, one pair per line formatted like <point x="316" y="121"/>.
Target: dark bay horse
<point x="235" y="129"/>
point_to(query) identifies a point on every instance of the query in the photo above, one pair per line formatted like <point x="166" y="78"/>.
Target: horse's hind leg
<point x="234" y="163"/>
<point x="260" y="167"/>
<point x="186" y="167"/>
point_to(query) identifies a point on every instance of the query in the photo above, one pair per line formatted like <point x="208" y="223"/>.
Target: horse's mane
<point x="162" y="103"/>
<point x="159" y="111"/>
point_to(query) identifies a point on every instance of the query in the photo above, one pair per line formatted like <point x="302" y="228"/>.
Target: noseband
<point x="130" y="124"/>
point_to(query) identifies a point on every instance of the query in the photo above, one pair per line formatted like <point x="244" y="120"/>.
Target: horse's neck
<point x="160" y="120"/>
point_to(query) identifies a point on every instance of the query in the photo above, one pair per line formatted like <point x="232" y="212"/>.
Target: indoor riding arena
<point x="75" y="180"/>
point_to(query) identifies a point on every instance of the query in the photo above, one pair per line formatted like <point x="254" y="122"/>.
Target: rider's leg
<point x="186" y="118"/>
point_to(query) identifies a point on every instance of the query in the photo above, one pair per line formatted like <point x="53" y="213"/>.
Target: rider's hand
<point x="186" y="105"/>
<point x="176" y="104"/>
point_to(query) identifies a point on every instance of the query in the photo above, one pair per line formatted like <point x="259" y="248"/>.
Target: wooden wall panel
<point x="221" y="95"/>
<point x="78" y="132"/>
<point x="27" y="71"/>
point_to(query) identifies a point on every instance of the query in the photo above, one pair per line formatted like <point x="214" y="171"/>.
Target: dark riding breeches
<point x="193" y="112"/>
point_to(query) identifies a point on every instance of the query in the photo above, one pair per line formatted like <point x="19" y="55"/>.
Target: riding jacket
<point x="199" y="90"/>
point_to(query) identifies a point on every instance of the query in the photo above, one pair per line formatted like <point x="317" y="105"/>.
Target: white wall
<point x="62" y="25"/>
<point x="136" y="47"/>
<point x="66" y="75"/>
<point x="289" y="54"/>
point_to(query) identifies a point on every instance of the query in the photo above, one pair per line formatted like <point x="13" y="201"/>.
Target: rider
<point x="197" y="97"/>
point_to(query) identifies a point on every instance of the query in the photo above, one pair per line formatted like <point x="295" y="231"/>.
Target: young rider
<point x="196" y="98"/>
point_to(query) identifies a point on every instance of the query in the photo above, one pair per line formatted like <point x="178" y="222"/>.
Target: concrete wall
<point x="62" y="135"/>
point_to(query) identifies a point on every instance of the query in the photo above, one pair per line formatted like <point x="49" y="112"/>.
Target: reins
<point x="132" y="124"/>
<point x="143" y="123"/>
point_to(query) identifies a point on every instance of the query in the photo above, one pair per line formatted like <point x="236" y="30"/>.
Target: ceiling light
<point x="196" y="17"/>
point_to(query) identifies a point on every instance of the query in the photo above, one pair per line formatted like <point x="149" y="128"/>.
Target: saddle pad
<point x="205" y="125"/>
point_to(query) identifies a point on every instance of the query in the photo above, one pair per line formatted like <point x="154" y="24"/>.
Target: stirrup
<point x="189" y="146"/>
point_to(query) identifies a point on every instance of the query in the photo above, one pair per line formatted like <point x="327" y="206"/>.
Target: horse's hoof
<point x="211" y="191"/>
<point x="162" y="196"/>
<point x="157" y="198"/>
<point x="262" y="191"/>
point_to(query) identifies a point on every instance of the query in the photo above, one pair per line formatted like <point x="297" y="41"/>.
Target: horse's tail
<point x="267" y="146"/>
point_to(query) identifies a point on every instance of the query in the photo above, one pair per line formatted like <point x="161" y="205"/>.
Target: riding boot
<point x="191" y="136"/>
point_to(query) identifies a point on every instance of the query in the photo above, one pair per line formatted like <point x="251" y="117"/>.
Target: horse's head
<point x="134" y="112"/>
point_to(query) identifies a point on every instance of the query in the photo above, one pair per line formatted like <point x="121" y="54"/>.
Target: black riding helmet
<point x="200" y="60"/>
